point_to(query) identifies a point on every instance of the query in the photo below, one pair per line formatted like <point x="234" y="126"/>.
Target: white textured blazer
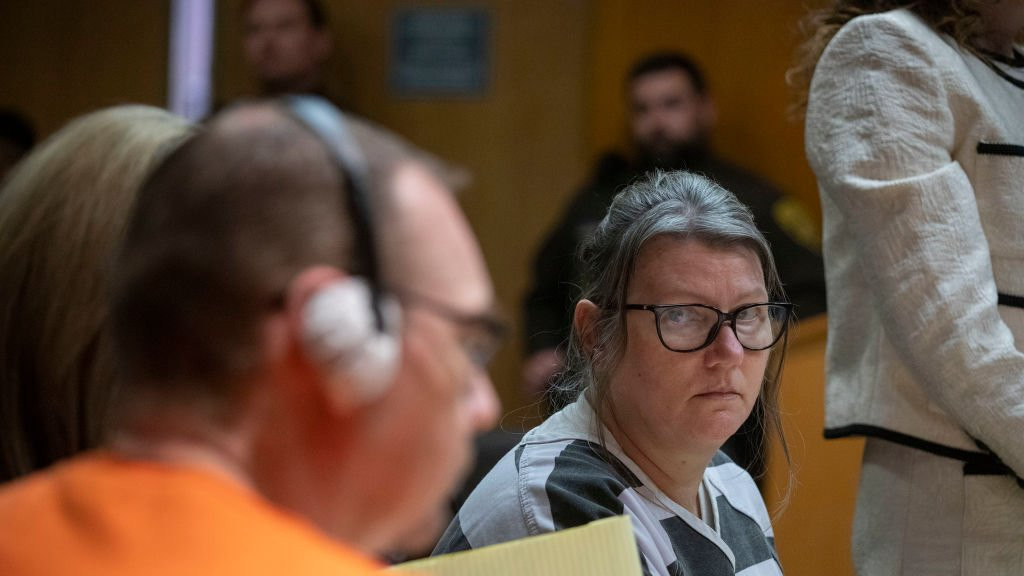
<point x="918" y="147"/>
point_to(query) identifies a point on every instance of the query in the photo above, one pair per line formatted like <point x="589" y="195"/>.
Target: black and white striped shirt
<point x="559" y="476"/>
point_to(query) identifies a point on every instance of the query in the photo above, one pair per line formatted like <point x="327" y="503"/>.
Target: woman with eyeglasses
<point x="679" y="332"/>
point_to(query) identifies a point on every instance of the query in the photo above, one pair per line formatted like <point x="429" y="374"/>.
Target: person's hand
<point x="538" y="369"/>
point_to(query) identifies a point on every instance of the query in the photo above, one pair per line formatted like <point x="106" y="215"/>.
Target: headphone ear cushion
<point x="341" y="336"/>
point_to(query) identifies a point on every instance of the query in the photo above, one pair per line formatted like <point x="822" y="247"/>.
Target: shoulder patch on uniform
<point x="793" y="219"/>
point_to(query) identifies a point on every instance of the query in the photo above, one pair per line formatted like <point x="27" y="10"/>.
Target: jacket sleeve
<point x="881" y="131"/>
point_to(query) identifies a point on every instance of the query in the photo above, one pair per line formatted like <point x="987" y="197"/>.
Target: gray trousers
<point x="918" y="514"/>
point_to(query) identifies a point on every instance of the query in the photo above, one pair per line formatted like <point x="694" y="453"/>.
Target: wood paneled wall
<point x="744" y="47"/>
<point x="813" y="514"/>
<point x="522" y="140"/>
<point x="554" y="102"/>
<point x="63" y="58"/>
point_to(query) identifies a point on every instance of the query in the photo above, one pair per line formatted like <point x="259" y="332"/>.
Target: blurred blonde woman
<point x="915" y="130"/>
<point x="63" y="212"/>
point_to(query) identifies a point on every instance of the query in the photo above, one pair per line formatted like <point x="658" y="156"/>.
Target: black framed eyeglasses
<point x="691" y="327"/>
<point x="480" y="335"/>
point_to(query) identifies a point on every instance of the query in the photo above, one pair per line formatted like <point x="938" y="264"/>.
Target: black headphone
<point x="351" y="326"/>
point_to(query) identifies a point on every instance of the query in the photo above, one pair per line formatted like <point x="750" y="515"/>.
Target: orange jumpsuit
<point x="101" y="514"/>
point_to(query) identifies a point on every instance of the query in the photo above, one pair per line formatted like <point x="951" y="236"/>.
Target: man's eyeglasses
<point x="691" y="327"/>
<point x="480" y="335"/>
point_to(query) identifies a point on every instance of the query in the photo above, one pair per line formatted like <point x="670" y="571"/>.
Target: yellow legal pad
<point x="602" y="548"/>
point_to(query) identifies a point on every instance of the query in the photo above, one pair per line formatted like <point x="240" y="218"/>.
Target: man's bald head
<point x="220" y="229"/>
<point x="234" y="235"/>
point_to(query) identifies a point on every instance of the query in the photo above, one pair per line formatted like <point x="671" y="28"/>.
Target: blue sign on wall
<point x="440" y="51"/>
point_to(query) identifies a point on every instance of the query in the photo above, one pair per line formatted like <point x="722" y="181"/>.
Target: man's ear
<point x="301" y="290"/>
<point x="283" y="332"/>
<point x="584" y="321"/>
<point x="298" y="295"/>
<point x="333" y="324"/>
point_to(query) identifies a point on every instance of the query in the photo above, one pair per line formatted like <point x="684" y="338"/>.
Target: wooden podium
<point x="812" y="533"/>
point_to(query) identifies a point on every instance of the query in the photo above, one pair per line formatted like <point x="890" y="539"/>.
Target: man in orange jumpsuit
<point x="304" y="324"/>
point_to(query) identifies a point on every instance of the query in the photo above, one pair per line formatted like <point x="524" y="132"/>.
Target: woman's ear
<point x="584" y="321"/>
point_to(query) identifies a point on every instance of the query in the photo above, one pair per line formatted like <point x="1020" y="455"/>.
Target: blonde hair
<point x="960" y="19"/>
<point x="63" y="212"/>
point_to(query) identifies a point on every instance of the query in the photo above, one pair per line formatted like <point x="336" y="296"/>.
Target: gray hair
<point x="680" y="204"/>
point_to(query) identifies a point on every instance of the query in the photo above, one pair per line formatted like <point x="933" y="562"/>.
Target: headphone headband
<point x="331" y="127"/>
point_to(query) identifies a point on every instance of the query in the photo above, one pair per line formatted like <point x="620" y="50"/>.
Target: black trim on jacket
<point x="975" y="463"/>
<point x="999" y="149"/>
<point x="1010" y="300"/>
